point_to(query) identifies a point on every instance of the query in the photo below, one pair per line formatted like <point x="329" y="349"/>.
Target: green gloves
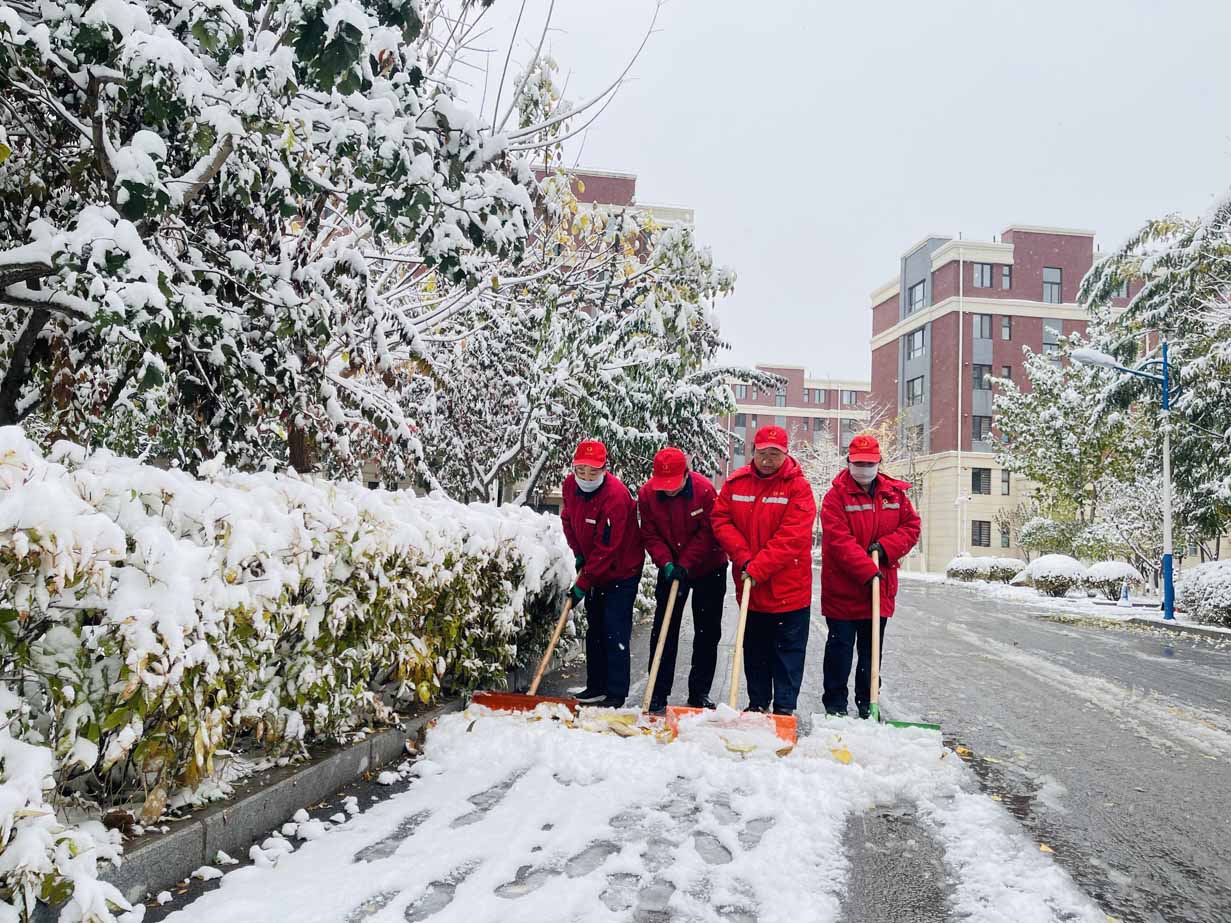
<point x="577" y="594"/>
<point x="673" y="571"/>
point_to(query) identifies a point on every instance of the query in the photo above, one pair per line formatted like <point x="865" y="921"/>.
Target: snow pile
<point x="149" y="616"/>
<point x="1107" y="577"/>
<point x="1053" y="574"/>
<point x="521" y="818"/>
<point x="1205" y="592"/>
<point x="967" y="568"/>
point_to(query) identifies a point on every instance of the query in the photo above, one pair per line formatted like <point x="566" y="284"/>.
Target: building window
<point x="1053" y="329"/>
<point x="848" y="398"/>
<point x="982" y="326"/>
<point x="1051" y="285"/>
<point x="982" y="275"/>
<point x="914" y="344"/>
<point x="753" y="418"/>
<point x="981" y="429"/>
<point x="780" y="421"/>
<point x="1006" y="372"/>
<point x="1006" y="277"/>
<point x="982" y="377"/>
<point x="780" y="398"/>
<point x="741" y="420"/>
<point x="981" y="481"/>
<point x="741" y="392"/>
<point x="1122" y="289"/>
<point x="914" y="391"/>
<point x="980" y="533"/>
<point x="1004" y="537"/>
<point x="1006" y="483"/>
<point x="1006" y="327"/>
<point x="850" y="429"/>
<point x="914" y="297"/>
<point x="737" y="460"/>
<point x="806" y="390"/>
<point x="803" y="424"/>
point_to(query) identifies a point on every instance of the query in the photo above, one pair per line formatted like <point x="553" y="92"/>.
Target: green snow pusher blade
<point x="874" y="708"/>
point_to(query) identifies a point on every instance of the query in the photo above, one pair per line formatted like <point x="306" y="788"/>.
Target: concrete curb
<point x="158" y="861"/>
<point x="1183" y="629"/>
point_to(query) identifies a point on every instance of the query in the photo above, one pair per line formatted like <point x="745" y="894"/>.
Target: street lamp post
<point x="1163" y="379"/>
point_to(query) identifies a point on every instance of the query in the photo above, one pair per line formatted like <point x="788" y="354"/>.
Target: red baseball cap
<point x="670" y="469"/>
<point x="771" y="436"/>
<point x="590" y="452"/>
<point x="864" y="448"/>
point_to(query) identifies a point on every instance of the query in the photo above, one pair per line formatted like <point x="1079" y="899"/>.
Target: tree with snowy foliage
<point x="1062" y="435"/>
<point x="604" y="329"/>
<point x="1185" y="268"/>
<point x="191" y="198"/>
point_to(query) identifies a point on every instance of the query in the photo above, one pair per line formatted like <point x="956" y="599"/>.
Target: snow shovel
<point x="784" y="725"/>
<point x="662" y="644"/>
<point x="515" y="701"/>
<point x="874" y="709"/>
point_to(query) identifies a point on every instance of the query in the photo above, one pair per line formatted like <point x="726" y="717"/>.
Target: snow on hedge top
<point x="1055" y="565"/>
<point x="1114" y="570"/>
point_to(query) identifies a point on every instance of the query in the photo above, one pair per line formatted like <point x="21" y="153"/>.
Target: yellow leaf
<point x="5" y="151"/>
<point x="429" y="284"/>
<point x="841" y="754"/>
<point x="581" y="187"/>
<point x="963" y="752"/>
<point x="738" y="748"/>
<point x="1043" y="847"/>
<point x="495" y="283"/>
<point x="784" y="751"/>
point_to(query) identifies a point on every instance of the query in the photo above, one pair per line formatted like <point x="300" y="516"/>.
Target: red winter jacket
<point x="678" y="530"/>
<point x="602" y="528"/>
<point x="766" y="523"/>
<point x="850" y="522"/>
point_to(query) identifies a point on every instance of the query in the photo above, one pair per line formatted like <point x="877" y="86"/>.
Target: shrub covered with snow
<point x="148" y="615"/>
<point x="1205" y="592"/>
<point x="967" y="568"/>
<point x="1107" y="577"/>
<point x="1054" y="574"/>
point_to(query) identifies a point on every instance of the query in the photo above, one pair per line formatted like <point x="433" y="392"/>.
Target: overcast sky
<point x="817" y="141"/>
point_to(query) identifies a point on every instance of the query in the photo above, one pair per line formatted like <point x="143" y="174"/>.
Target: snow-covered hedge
<point x="1053" y="574"/>
<point x="148" y="618"/>
<point x="967" y="568"/>
<point x="1107" y="577"/>
<point x="1205" y="592"/>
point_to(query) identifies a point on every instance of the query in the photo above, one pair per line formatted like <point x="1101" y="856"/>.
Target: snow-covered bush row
<point x="967" y="567"/>
<point x="1107" y="577"/>
<point x="1205" y="592"/>
<point x="148" y="617"/>
<point x="1053" y="574"/>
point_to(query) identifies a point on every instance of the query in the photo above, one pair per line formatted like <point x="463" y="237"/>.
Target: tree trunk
<point x="303" y="451"/>
<point x="19" y="372"/>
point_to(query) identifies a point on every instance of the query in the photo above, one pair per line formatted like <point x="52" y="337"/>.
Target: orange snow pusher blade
<point x="516" y="701"/>
<point x="783" y="725"/>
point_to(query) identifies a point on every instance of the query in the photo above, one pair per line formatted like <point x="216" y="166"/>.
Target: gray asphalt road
<point x="1110" y="744"/>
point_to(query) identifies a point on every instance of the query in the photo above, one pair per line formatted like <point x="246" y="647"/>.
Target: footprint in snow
<point x="370" y="907"/>
<point x="485" y="800"/>
<point x="710" y="848"/>
<point x="439" y="895"/>
<point x="386" y="846"/>
<point x="750" y="836"/>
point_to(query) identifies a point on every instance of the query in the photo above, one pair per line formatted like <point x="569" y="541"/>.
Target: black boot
<point x="704" y="702"/>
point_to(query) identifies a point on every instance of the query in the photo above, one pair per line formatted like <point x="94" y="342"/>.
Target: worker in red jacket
<point x="763" y="520"/>
<point x="864" y="511"/>
<point x="600" y="524"/>
<point x="675" y="506"/>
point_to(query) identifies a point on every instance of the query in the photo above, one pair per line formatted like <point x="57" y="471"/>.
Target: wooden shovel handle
<point x="551" y="646"/>
<point x="662" y="643"/>
<point x="737" y="660"/>
<point x="874" y="692"/>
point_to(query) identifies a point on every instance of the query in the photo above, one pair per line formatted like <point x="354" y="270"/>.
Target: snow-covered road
<point x="512" y="819"/>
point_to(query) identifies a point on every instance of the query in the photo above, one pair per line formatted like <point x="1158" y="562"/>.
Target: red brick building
<point x="809" y="409"/>
<point x="957" y="315"/>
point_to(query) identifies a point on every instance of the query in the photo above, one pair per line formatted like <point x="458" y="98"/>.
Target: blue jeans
<point x="609" y="628"/>
<point x="774" y="647"/>
<point x="844" y="636"/>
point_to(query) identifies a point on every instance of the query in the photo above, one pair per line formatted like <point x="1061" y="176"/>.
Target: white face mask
<point x="590" y="486"/>
<point x="863" y="474"/>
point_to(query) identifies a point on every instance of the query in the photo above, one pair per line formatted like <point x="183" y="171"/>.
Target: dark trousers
<point x="774" y="647"/>
<point x="844" y="637"/>
<point x="707" y="593"/>
<point x="609" y="627"/>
